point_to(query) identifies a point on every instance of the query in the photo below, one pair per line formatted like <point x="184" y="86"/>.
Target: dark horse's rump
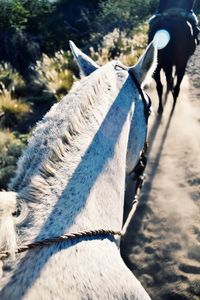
<point x="177" y="52"/>
<point x="181" y="44"/>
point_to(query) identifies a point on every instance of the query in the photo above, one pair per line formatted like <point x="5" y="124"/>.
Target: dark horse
<point x="180" y="47"/>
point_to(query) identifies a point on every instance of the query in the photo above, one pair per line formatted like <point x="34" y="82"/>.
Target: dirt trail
<point x="162" y="245"/>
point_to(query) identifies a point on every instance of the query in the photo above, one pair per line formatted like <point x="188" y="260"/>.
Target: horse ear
<point x="85" y="63"/>
<point x="147" y="63"/>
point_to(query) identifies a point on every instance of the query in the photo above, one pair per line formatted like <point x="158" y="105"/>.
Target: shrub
<point x="13" y="110"/>
<point x="11" y="146"/>
<point x="10" y="78"/>
<point x="117" y="45"/>
<point x="55" y="74"/>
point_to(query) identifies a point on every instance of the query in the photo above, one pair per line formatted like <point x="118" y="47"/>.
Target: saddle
<point x="174" y="12"/>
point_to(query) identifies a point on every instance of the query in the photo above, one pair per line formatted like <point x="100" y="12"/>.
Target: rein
<point x="62" y="238"/>
<point x="147" y="106"/>
<point x="137" y="175"/>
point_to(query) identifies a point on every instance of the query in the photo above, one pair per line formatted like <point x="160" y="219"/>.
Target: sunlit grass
<point x="11" y="146"/>
<point x="116" y="45"/>
<point x="9" y="77"/>
<point x="54" y="72"/>
<point x="11" y="106"/>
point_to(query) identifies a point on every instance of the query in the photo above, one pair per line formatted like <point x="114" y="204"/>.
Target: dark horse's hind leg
<point x="169" y="79"/>
<point x="180" y="72"/>
<point x="159" y="88"/>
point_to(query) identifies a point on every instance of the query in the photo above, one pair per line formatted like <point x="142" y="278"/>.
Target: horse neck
<point x="89" y="194"/>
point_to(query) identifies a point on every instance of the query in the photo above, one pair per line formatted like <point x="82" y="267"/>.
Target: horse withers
<point x="71" y="178"/>
<point x="174" y="54"/>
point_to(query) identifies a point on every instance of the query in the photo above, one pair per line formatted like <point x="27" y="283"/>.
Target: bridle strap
<point x="137" y="174"/>
<point x="142" y="94"/>
<point x="147" y="106"/>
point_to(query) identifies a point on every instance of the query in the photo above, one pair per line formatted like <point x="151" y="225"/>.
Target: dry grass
<point x="54" y="72"/>
<point x="11" y="106"/>
<point x="11" y="146"/>
<point x="9" y="77"/>
<point x="117" y="45"/>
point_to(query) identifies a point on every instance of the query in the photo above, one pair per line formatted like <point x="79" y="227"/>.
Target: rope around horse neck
<point x="62" y="238"/>
<point x="138" y="177"/>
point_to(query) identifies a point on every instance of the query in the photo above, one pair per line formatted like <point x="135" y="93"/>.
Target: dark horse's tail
<point x="176" y="54"/>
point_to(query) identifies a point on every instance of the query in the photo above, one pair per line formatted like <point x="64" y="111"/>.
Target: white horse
<point x="71" y="178"/>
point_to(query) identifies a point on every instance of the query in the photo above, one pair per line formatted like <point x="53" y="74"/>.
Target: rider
<point x="178" y="7"/>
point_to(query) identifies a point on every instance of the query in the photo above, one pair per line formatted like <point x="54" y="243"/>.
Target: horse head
<point x="141" y="72"/>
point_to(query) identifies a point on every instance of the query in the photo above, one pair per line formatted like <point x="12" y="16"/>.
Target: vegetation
<point x="55" y="73"/>
<point x="11" y="145"/>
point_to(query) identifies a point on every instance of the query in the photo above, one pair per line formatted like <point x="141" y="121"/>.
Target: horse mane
<point x="39" y="165"/>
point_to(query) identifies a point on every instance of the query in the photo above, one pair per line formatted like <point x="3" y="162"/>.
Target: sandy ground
<point x="162" y="245"/>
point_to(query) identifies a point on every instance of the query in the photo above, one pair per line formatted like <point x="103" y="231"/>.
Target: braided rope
<point x="62" y="238"/>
